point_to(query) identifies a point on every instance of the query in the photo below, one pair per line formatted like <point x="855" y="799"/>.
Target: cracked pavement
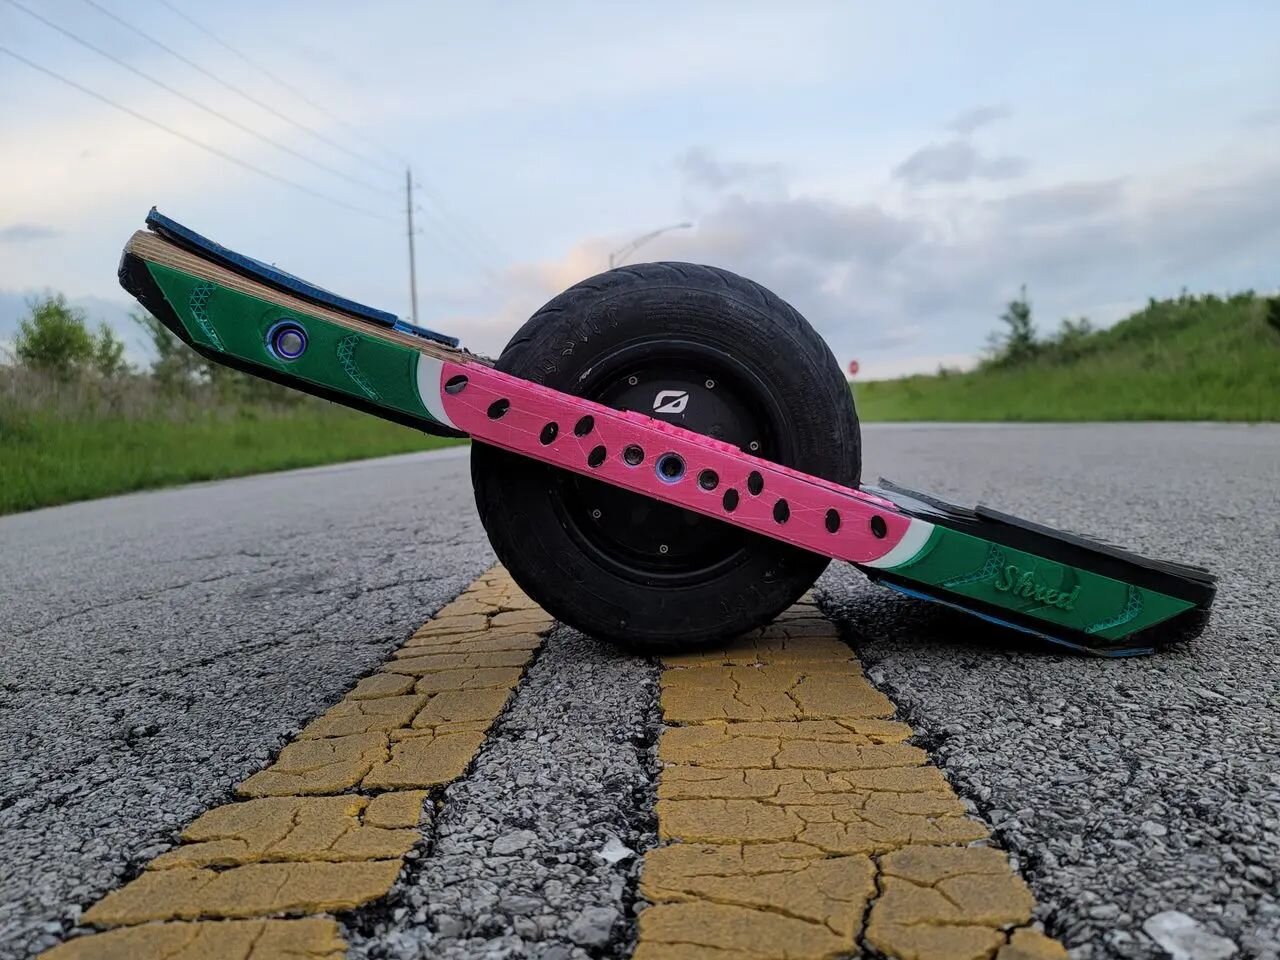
<point x="1124" y="787"/>
<point x="159" y="649"/>
<point x="798" y="823"/>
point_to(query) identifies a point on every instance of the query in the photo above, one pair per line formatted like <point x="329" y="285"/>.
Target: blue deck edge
<point x="287" y="282"/>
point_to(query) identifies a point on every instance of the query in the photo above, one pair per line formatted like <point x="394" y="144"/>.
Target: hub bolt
<point x="595" y="514"/>
<point x="633" y="380"/>
<point x="754" y="445"/>
<point x="711" y="384"/>
<point x="662" y="548"/>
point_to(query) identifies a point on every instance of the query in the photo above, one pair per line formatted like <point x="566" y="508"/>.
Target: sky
<point x="896" y="171"/>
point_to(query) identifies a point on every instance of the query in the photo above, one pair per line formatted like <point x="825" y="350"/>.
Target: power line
<point x="464" y="255"/>
<point x="287" y="86"/>
<point x="178" y="93"/>
<point x="234" y="89"/>
<point x="193" y="141"/>
<point x="472" y="233"/>
<point x="467" y="240"/>
<point x="472" y="236"/>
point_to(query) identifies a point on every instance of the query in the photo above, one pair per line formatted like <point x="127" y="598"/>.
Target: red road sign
<point x="853" y="368"/>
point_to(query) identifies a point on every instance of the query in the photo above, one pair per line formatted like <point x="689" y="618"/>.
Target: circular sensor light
<point x="670" y="468"/>
<point x="287" y="340"/>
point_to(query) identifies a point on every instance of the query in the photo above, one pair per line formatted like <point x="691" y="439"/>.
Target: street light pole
<point x="621" y="254"/>
<point x="413" y="260"/>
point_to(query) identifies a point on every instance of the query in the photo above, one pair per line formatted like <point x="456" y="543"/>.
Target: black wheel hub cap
<point x="693" y="386"/>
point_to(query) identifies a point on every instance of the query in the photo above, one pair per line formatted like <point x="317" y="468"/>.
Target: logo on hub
<point x="670" y="401"/>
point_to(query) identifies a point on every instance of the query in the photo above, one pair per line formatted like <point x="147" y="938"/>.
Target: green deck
<point x="360" y="365"/>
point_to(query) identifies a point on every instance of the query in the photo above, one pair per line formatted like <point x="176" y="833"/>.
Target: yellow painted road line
<point x="793" y="812"/>
<point x="326" y="827"/>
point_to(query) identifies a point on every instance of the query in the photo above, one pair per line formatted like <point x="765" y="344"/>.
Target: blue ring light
<point x="287" y="340"/>
<point x="669" y="468"/>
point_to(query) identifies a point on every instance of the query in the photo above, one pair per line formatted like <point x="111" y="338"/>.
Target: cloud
<point x="810" y="228"/>
<point x="900" y="286"/>
<point x="700" y="169"/>
<point x="966" y="123"/>
<point x="956" y="161"/>
<point x="27" y="233"/>
<point x="1063" y="202"/>
<point x="1262" y="118"/>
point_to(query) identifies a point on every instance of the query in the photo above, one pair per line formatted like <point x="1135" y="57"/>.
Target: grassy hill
<point x="1194" y="358"/>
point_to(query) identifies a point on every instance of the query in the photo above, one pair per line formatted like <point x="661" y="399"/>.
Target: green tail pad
<point x="347" y="361"/>
<point x="1022" y="582"/>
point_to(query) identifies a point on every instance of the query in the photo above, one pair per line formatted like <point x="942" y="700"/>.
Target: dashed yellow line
<point x="797" y="821"/>
<point x="794" y="812"/>
<point x="326" y="826"/>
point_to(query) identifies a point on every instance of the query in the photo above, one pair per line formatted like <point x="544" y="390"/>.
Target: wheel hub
<point x="691" y="386"/>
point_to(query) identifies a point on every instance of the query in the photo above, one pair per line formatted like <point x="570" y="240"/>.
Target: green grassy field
<point x="47" y="459"/>
<point x="1196" y="358"/>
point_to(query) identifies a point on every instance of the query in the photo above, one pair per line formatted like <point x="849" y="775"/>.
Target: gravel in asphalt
<point x="1124" y="787"/>
<point x="159" y="648"/>
<point x="535" y="853"/>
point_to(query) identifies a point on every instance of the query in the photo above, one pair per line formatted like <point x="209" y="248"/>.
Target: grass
<point x="60" y="447"/>
<point x="1194" y="358"/>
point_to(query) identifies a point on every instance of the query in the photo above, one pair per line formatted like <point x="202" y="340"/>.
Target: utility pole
<point x="413" y="263"/>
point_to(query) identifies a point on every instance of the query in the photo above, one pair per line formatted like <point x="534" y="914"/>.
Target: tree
<point x="1018" y="343"/>
<point x="108" y="354"/>
<point x="1069" y="341"/>
<point x="177" y="367"/>
<point x="54" y="338"/>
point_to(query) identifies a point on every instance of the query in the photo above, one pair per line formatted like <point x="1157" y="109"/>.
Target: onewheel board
<point x="667" y="454"/>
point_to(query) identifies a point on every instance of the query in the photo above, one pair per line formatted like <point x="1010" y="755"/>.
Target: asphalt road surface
<point x="158" y="648"/>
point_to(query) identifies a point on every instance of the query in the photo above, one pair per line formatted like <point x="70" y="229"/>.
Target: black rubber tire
<point x="517" y="500"/>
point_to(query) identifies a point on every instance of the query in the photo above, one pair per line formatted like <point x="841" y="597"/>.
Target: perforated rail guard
<point x="678" y="466"/>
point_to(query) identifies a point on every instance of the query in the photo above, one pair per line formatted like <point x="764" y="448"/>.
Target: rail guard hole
<point x="584" y="426"/>
<point x="730" y="500"/>
<point x="833" y="520"/>
<point x="633" y="455"/>
<point x="596" y="456"/>
<point x="456" y="383"/>
<point x="498" y="409"/>
<point x="781" y="512"/>
<point x="708" y="479"/>
<point x="755" y="483"/>
<point x="670" y="468"/>
<point x="879" y="527"/>
<point x="548" y="433"/>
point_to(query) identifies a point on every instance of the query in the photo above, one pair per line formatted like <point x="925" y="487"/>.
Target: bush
<point x="1070" y="342"/>
<point x="55" y="339"/>
<point x="1018" y="343"/>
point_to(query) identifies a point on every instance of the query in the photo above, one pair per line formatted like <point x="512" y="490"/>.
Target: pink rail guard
<point x="591" y="439"/>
